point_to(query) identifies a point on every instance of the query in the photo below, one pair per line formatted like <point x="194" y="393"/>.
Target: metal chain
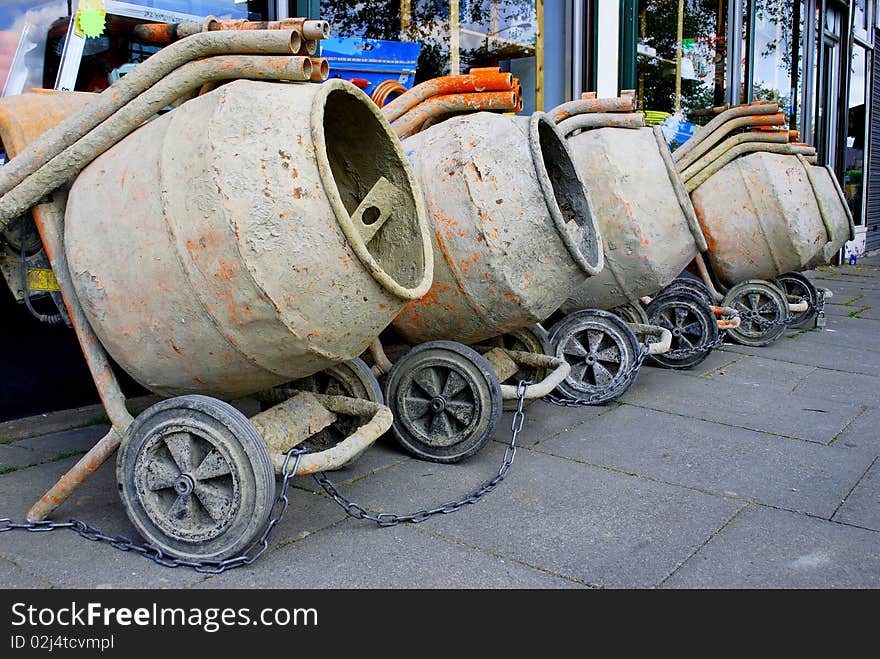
<point x="687" y="352"/>
<point x="819" y="305"/>
<point x="122" y="543"/>
<point x="384" y="519"/>
<point x="600" y="395"/>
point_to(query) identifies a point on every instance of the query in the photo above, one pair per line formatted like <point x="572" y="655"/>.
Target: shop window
<point x="854" y="152"/>
<point x="862" y="19"/>
<point x="778" y="48"/>
<point x="456" y="35"/>
<point x="33" y="35"/>
<point x="686" y="74"/>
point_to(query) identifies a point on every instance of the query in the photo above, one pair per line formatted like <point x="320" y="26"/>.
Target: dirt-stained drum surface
<point x="756" y="469"/>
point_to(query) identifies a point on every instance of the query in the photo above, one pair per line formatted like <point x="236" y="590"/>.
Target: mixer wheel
<point x="196" y="478"/>
<point x="794" y="283"/>
<point x="353" y="379"/>
<point x="690" y="319"/>
<point x="532" y="339"/>
<point x="692" y="285"/>
<point x="763" y="309"/>
<point x="632" y="313"/>
<point x="446" y="401"/>
<point x="602" y="351"/>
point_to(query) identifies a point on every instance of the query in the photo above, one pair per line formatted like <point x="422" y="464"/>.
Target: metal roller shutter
<point x="872" y="216"/>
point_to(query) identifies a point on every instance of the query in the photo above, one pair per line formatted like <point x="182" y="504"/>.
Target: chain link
<point x="819" y="305"/>
<point x="592" y="399"/>
<point x="384" y="519"/>
<point x="259" y="546"/>
<point x="816" y="307"/>
<point x="707" y="347"/>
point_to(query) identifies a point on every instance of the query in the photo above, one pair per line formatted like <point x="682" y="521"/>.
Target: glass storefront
<point x="854" y="151"/>
<point x="33" y="34"/>
<point x="455" y="35"/>
<point x="682" y="54"/>
<point x="778" y="52"/>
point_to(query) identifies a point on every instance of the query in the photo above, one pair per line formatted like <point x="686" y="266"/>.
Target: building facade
<point x="815" y="57"/>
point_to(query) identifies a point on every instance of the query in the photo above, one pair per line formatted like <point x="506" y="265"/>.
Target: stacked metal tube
<point x="158" y="179"/>
<point x="63" y="151"/>
<point x="436" y="99"/>
<point x="747" y="177"/>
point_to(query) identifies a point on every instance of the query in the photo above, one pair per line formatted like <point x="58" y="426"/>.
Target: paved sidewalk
<point x="757" y="469"/>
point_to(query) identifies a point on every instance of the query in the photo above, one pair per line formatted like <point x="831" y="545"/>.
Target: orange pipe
<point x="412" y="121"/>
<point x="585" y="105"/>
<point x="320" y="69"/>
<point x="385" y="89"/>
<point x="482" y="81"/>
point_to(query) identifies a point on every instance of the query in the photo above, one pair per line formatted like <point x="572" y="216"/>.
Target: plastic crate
<point x="371" y="60"/>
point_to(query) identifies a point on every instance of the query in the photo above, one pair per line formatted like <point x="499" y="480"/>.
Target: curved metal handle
<point x="727" y="317"/>
<point x="561" y="369"/>
<point x="353" y="445"/>
<point x="657" y="347"/>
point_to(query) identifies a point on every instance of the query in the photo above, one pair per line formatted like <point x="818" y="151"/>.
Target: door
<point x="828" y="119"/>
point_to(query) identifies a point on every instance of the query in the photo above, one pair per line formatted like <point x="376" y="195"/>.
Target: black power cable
<point x="49" y="319"/>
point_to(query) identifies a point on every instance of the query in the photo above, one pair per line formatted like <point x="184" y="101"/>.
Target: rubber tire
<point x="488" y="402"/>
<point x="606" y="320"/>
<point x="696" y="305"/>
<point x="353" y="379"/>
<point x="242" y="445"/>
<point x="794" y="283"/>
<point x="741" y="334"/>
<point x="632" y="313"/>
<point x="526" y="339"/>
<point x="692" y="285"/>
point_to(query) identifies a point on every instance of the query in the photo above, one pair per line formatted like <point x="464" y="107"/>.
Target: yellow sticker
<point x="91" y="18"/>
<point x="42" y="279"/>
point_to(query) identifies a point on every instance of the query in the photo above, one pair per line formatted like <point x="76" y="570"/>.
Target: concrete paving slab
<point x="870" y="314"/>
<point x="761" y="373"/>
<point x="544" y="420"/>
<point x="50" y="446"/>
<point x="837" y="281"/>
<point x="13" y="576"/>
<point x="863" y="433"/>
<point x="862" y="507"/>
<point x="834" y="386"/>
<point x="15" y="457"/>
<point x="767" y="548"/>
<point x="51" y="422"/>
<point x="717" y="359"/>
<point x="834" y="357"/>
<point x="726" y="461"/>
<point x="843" y="331"/>
<point x="573" y="520"/>
<point x="709" y="399"/>
<point x="842" y="310"/>
<point x="357" y="555"/>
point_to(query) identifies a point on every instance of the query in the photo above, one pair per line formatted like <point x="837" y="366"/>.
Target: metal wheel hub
<point x="756" y="308"/>
<point x="601" y="353"/>
<point x="187" y="484"/>
<point x="184" y="484"/>
<point x="440" y="402"/>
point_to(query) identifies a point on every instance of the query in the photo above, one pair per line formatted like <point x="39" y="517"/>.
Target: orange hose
<point x="320" y="69"/>
<point x="481" y="81"/>
<point x="412" y="121"/>
<point x="385" y="89"/>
